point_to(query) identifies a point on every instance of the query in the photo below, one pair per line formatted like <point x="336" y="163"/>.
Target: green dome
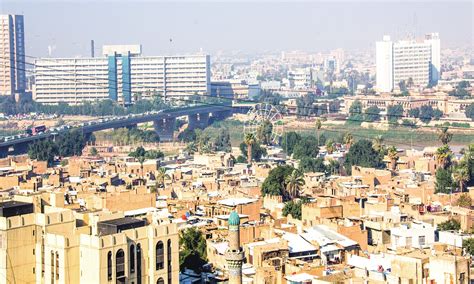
<point x="234" y="219"/>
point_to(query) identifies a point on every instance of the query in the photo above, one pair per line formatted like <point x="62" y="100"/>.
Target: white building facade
<point x="409" y="60"/>
<point x="12" y="55"/>
<point x="121" y="75"/>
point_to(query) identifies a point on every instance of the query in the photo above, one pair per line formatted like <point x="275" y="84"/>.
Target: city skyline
<point x="208" y="26"/>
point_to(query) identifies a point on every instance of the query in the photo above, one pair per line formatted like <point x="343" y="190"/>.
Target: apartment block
<point x="12" y="55"/>
<point x="407" y="60"/>
<point x="121" y="75"/>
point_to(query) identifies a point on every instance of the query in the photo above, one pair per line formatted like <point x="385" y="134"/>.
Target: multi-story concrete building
<point x="12" y="55"/>
<point x="407" y="60"/>
<point x="57" y="245"/>
<point x="122" y="75"/>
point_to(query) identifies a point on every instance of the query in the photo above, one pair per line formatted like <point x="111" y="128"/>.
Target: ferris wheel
<point x="264" y="114"/>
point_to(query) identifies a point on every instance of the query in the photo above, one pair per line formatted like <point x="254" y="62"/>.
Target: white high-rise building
<point x="121" y="75"/>
<point x="12" y="55"/>
<point x="407" y="60"/>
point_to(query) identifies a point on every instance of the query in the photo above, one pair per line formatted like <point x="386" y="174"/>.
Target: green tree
<point x="289" y="141"/>
<point x="393" y="156"/>
<point x="461" y="176"/>
<point x="249" y="141"/>
<point x="426" y="113"/>
<point x="93" y="151"/>
<point x="394" y="113"/>
<point x="306" y="147"/>
<point x="402" y="85"/>
<point x="308" y="164"/>
<point x="318" y="126"/>
<point x="294" y="184"/>
<point x="356" y="115"/>
<point x="222" y="141"/>
<point x="161" y="176"/>
<point x="362" y="154"/>
<point x="450" y="225"/>
<point x="334" y="167"/>
<point x="330" y="146"/>
<point x="188" y="135"/>
<point x="43" y="150"/>
<point x="154" y="154"/>
<point x="464" y="201"/>
<point x="468" y="245"/>
<point x="192" y="250"/>
<point x="443" y="156"/>
<point x="348" y="140"/>
<point x="257" y="151"/>
<point x="264" y="132"/>
<point x="378" y="143"/>
<point x="372" y="114"/>
<point x="274" y="183"/>
<point x="470" y="111"/>
<point x="294" y="208"/>
<point x="444" y="181"/>
<point x="414" y="112"/>
<point x="444" y="135"/>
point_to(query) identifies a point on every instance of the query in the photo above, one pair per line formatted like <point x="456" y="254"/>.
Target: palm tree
<point x="249" y="140"/>
<point x="377" y="144"/>
<point x="294" y="183"/>
<point x="161" y="177"/>
<point x="318" y="125"/>
<point x="330" y="146"/>
<point x="334" y="166"/>
<point x="443" y="156"/>
<point x="444" y="136"/>
<point x="348" y="140"/>
<point x="393" y="156"/>
<point x="461" y="176"/>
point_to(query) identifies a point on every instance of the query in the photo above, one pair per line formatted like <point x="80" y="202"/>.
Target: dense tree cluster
<point x="275" y="183"/>
<point x="192" y="250"/>
<point x="470" y="111"/>
<point x="394" y="113"/>
<point x="362" y="153"/>
<point x="461" y="90"/>
<point x="125" y="136"/>
<point x="66" y="144"/>
<point x="99" y="108"/>
<point x="141" y="154"/>
<point x="294" y="208"/>
<point x="450" y="225"/>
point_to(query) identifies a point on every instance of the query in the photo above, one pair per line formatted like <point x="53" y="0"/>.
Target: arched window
<point x="120" y="264"/>
<point x="52" y="266"/>
<point x="169" y="251"/>
<point x="139" y="264"/>
<point x="57" y="266"/>
<point x="109" y="265"/>
<point x="160" y="258"/>
<point x="160" y="281"/>
<point x="132" y="258"/>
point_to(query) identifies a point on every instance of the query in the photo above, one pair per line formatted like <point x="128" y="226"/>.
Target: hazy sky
<point x="245" y="26"/>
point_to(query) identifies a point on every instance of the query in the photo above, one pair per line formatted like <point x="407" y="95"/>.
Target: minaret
<point x="234" y="254"/>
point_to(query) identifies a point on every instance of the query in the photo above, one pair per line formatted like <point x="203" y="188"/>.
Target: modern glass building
<point x="122" y="75"/>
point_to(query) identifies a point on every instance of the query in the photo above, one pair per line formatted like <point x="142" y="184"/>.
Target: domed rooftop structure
<point x="234" y="219"/>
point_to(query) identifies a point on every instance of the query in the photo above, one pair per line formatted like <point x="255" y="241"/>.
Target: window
<point x="57" y="266"/>
<point x="159" y="256"/>
<point x="170" y="276"/>
<point x="52" y="267"/>
<point x="109" y="265"/>
<point x="421" y="241"/>
<point x="120" y="264"/>
<point x="132" y="258"/>
<point x="160" y="281"/>
<point x="139" y="264"/>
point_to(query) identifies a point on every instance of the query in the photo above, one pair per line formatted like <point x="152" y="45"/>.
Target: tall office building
<point x="402" y="60"/>
<point x="122" y="75"/>
<point x="12" y="55"/>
